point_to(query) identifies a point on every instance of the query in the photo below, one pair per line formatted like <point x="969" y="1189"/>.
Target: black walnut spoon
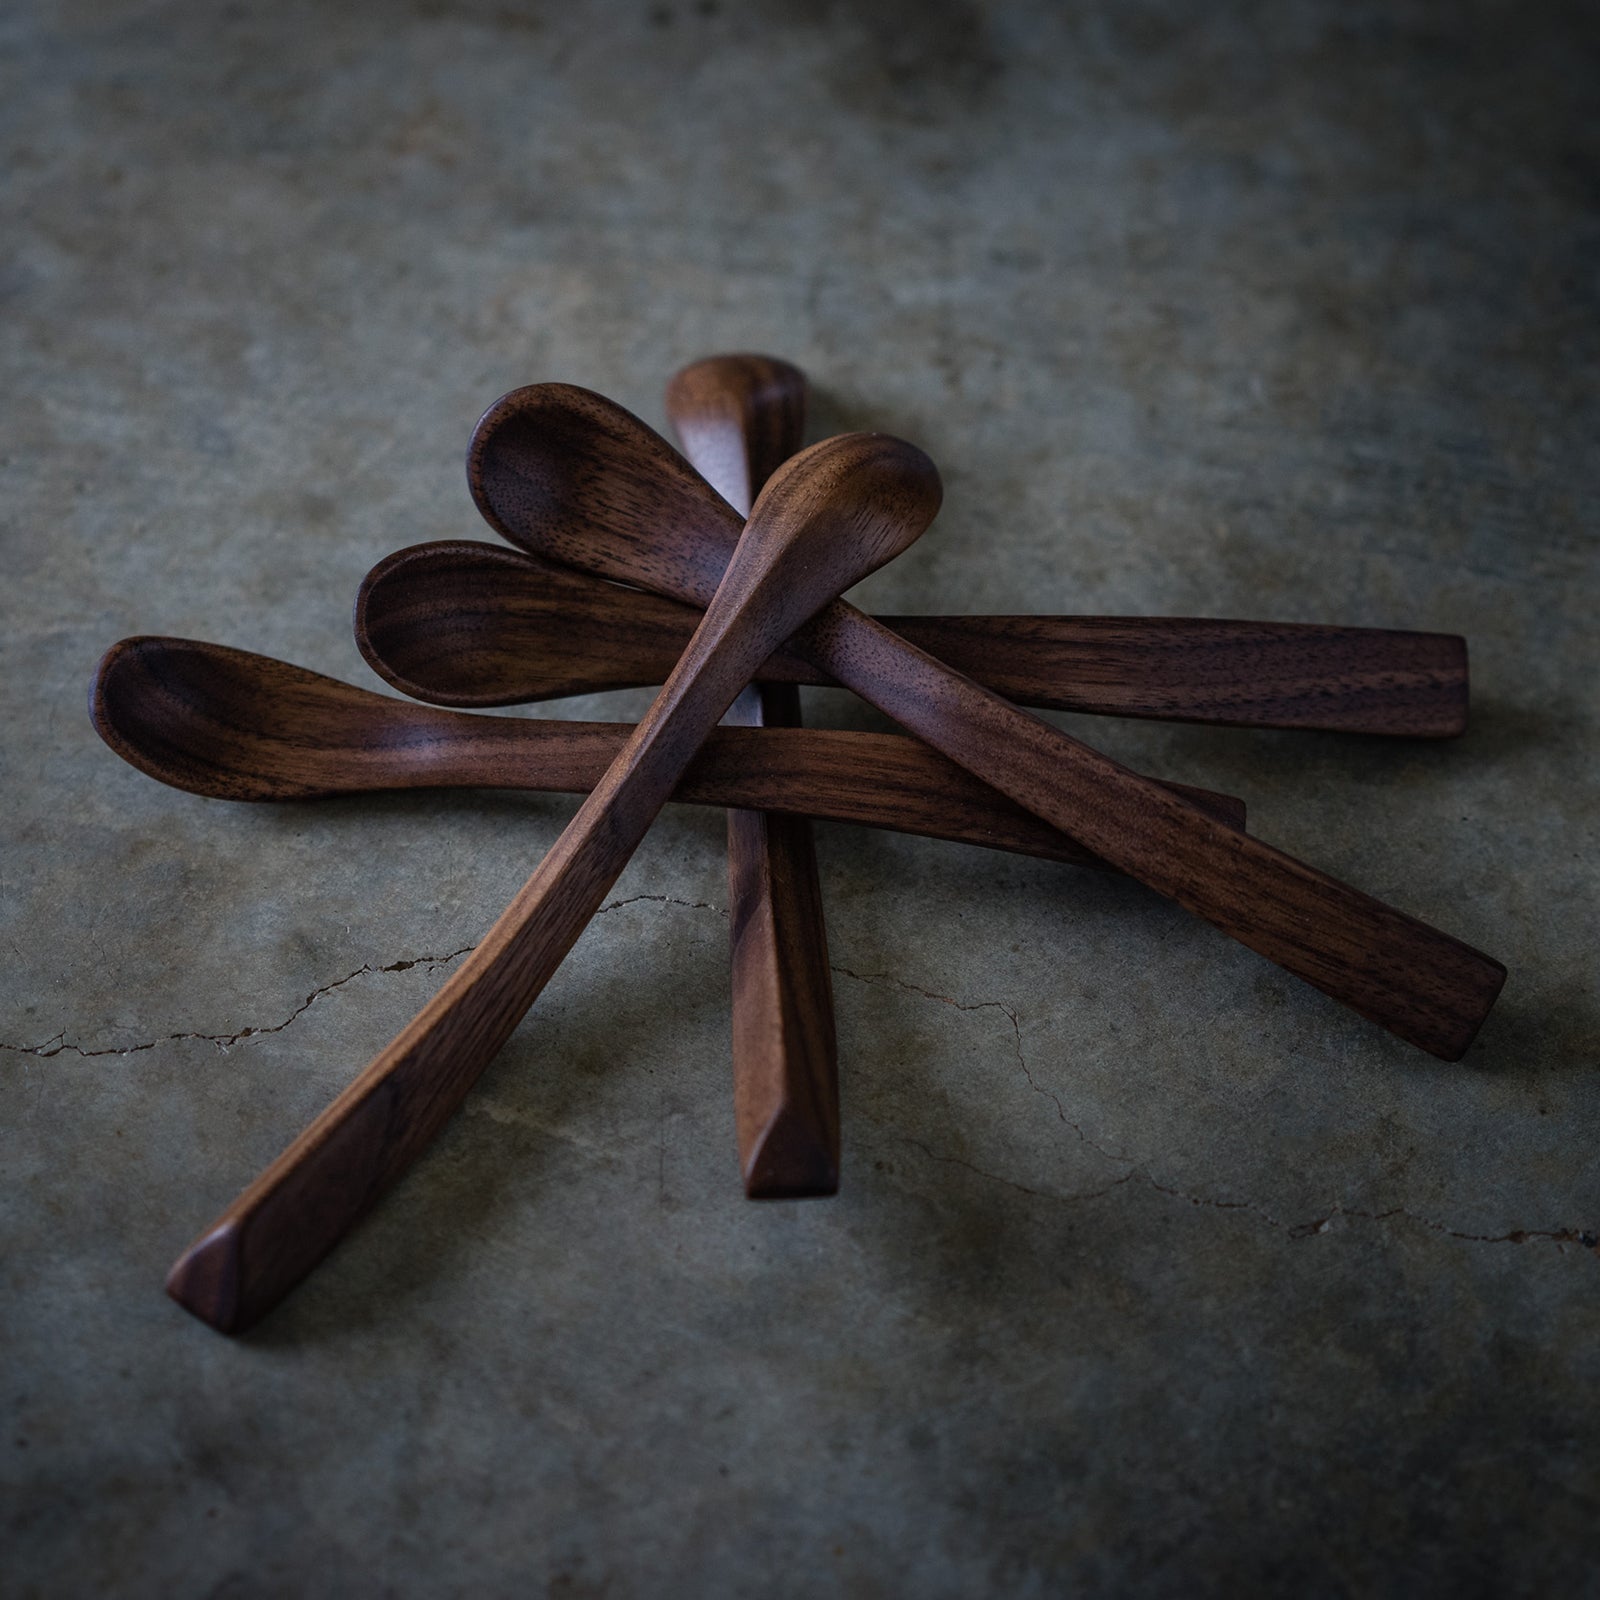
<point x="739" y="417"/>
<point x="458" y="622"/>
<point x="826" y="519"/>
<point x="231" y="725"/>
<point x="577" y="479"/>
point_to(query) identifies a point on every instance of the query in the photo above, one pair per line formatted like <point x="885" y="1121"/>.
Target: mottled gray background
<point x="1153" y="1272"/>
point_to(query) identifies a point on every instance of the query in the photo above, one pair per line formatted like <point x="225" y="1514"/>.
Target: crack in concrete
<point x="57" y="1045"/>
<point x="664" y="900"/>
<point x="1578" y="1236"/>
<point x="1135" y="1174"/>
<point x="1016" y="1040"/>
<point x="1560" y="1237"/>
<point x="1298" y="1230"/>
<point x="1011" y="1183"/>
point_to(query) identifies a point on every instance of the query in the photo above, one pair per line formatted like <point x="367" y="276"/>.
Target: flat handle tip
<point x="793" y="1158"/>
<point x="205" y="1280"/>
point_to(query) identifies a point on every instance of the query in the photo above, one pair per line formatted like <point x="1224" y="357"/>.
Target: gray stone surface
<point x="1153" y="1272"/>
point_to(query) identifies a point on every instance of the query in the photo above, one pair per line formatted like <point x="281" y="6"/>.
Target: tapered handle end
<point x="785" y="1052"/>
<point x="206" y="1278"/>
<point x="1481" y="979"/>
<point x="793" y="1157"/>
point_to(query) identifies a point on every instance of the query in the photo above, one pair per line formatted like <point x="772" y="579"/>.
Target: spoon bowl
<point x="571" y="476"/>
<point x="463" y="623"/>
<point x="237" y="726"/>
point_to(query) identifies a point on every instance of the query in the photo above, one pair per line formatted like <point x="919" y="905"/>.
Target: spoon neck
<point x="718" y="447"/>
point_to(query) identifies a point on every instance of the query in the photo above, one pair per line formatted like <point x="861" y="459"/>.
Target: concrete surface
<point x="1153" y="1272"/>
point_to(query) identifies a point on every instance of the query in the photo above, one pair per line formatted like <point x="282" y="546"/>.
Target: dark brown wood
<point x="739" y="418"/>
<point x="230" y="725"/>
<point x="577" y="479"/>
<point x="464" y="623"/>
<point x="785" y="1049"/>
<point x="828" y="517"/>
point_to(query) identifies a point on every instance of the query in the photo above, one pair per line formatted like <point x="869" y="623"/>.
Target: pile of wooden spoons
<point x="632" y="567"/>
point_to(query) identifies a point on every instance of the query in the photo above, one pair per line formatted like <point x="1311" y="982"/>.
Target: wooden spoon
<point x="827" y="518"/>
<point x="579" y="480"/>
<point x="739" y="417"/>
<point x="231" y="725"/>
<point x="464" y="623"/>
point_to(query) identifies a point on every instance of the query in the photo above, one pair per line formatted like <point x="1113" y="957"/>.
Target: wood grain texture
<point x="231" y="725"/>
<point x="831" y="515"/>
<point x="785" y="1049"/>
<point x="579" y="480"/>
<point x="464" y="623"/>
<point x="1423" y="985"/>
<point x="739" y="417"/>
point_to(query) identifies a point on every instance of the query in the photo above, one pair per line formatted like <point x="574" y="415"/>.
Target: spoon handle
<point x="785" y="1045"/>
<point x="739" y="418"/>
<point x="1383" y="681"/>
<point x="1421" y="984"/>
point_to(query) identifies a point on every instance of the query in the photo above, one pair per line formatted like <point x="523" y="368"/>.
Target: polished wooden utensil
<point x="463" y="623"/>
<point x="827" y="518"/>
<point x="738" y="418"/>
<point x="231" y="725"/>
<point x="574" y="477"/>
